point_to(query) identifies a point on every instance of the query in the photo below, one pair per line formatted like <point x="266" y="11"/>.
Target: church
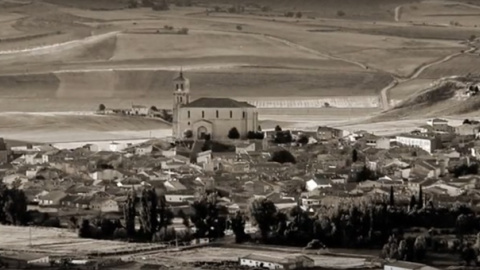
<point x="209" y="116"/>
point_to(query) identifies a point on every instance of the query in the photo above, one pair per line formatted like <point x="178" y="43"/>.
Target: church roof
<point x="217" y="103"/>
<point x="180" y="77"/>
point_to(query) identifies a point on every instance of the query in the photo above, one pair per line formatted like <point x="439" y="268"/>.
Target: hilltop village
<point x="410" y="196"/>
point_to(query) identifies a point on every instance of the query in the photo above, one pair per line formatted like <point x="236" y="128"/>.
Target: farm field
<point x="60" y="56"/>
<point x="60" y="241"/>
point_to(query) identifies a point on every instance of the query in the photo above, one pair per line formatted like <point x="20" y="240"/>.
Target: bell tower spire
<point x="181" y="96"/>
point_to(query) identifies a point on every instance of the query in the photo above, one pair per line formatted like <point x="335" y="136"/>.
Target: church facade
<point x="209" y="116"/>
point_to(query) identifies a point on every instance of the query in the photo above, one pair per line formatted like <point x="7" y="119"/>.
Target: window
<point x="231" y="114"/>
<point x="188" y="123"/>
<point x="203" y="114"/>
<point x="188" y="114"/>
<point x="181" y="99"/>
<point x="217" y="113"/>
<point x="243" y="115"/>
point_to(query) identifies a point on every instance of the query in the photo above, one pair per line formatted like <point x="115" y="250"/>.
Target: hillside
<point x="446" y="98"/>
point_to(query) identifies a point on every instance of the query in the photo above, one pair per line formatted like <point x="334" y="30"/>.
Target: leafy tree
<point x="185" y="218"/>
<point x="340" y="13"/>
<point x="85" y="230"/>
<point x="238" y="227"/>
<point x="420" y="248"/>
<point x="354" y="155"/>
<point x="468" y="255"/>
<point x="101" y="108"/>
<point x="298" y="15"/>
<point x="278" y="128"/>
<point x="259" y="128"/>
<point x="166" y="215"/>
<point x="239" y="27"/>
<point x="302" y="140"/>
<point x="467" y="122"/>
<point x="264" y="213"/>
<point x="207" y="217"/>
<point x="283" y="156"/>
<point x="233" y="133"/>
<point x="282" y="137"/>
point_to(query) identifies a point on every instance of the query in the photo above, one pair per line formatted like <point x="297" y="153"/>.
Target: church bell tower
<point x="181" y="96"/>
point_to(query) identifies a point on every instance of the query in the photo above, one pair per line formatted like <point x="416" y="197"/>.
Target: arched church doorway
<point x="202" y="132"/>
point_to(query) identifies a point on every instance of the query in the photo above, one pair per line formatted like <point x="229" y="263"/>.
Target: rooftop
<point x="217" y="103"/>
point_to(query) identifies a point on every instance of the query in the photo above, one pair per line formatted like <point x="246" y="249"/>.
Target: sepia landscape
<point x="229" y="134"/>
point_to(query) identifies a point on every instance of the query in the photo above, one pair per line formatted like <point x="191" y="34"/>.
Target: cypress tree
<point x="420" y="198"/>
<point x="392" y="196"/>
<point x="413" y="202"/>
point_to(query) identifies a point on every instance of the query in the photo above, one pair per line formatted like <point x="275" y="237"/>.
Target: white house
<point x="427" y="143"/>
<point x="107" y="174"/>
<point x="143" y="150"/>
<point x="404" y="265"/>
<point x="204" y="157"/>
<point x="140" y="110"/>
<point x="316" y="183"/>
<point x="179" y="197"/>
<point x="270" y="262"/>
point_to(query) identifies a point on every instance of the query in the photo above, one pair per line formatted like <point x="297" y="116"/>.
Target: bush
<point x="283" y="156"/>
<point x="101" y="107"/>
<point x="233" y="133"/>
<point x="251" y="135"/>
<point x="266" y="9"/>
<point x="340" y="13"/>
<point x="282" y="137"/>
<point x="239" y="28"/>
<point x="183" y="31"/>
<point x="289" y="14"/>
<point x="188" y="134"/>
<point x="298" y="15"/>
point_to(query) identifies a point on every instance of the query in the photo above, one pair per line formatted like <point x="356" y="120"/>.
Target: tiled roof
<point x="217" y="103"/>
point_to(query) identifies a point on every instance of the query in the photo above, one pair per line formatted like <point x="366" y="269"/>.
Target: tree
<point x="238" y="227"/>
<point x="413" y="202"/>
<point x="166" y="215"/>
<point x="392" y="198"/>
<point x="129" y="214"/>
<point x="161" y="5"/>
<point x="264" y="213"/>
<point x="239" y="27"/>
<point x="354" y="155"/>
<point x="185" y="218"/>
<point x="468" y="255"/>
<point x="148" y="214"/>
<point x="101" y="108"/>
<point x="188" y="134"/>
<point x="278" y="128"/>
<point x="420" y="248"/>
<point x="283" y="156"/>
<point x="183" y="31"/>
<point x="154" y="109"/>
<point x="302" y="140"/>
<point x="233" y="133"/>
<point x="259" y="128"/>
<point x="340" y="13"/>
<point x="132" y="3"/>
<point x="251" y="135"/>
<point x="207" y="217"/>
<point x="85" y="230"/>
<point x="298" y="15"/>
<point x="420" y="198"/>
<point x="467" y="122"/>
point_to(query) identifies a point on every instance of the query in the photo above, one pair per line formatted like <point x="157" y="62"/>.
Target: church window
<point x="188" y="123"/>
<point x="243" y="114"/>
<point x="203" y="114"/>
<point x="231" y="114"/>
<point x="181" y="99"/>
<point x="181" y="86"/>
<point x="217" y="113"/>
<point x="188" y="113"/>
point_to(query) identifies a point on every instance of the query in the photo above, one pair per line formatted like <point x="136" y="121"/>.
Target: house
<point x="140" y="110"/>
<point x="204" y="157"/>
<point x="53" y="198"/>
<point x="33" y="159"/>
<point x="423" y="141"/>
<point x="331" y="161"/>
<point x="23" y="260"/>
<point x="370" y="140"/>
<point x="468" y="130"/>
<point x="14" y="180"/>
<point x="143" y="150"/>
<point x="178" y="197"/>
<point x="318" y="183"/>
<point x="311" y="201"/>
<point x="106" y="174"/>
<point x="270" y="262"/>
<point x="428" y="168"/>
<point x="105" y="205"/>
<point x="404" y="265"/>
<point x="325" y="133"/>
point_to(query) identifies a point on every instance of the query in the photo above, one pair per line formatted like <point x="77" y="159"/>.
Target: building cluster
<point x="329" y="168"/>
